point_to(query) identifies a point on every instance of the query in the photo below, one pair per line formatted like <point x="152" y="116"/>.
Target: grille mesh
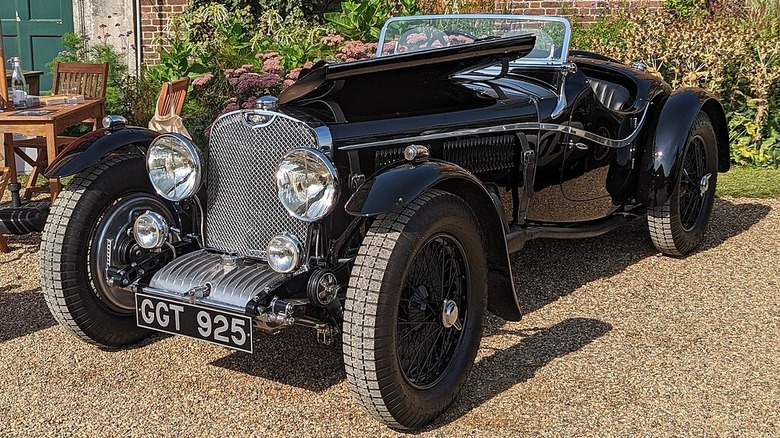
<point x="242" y="210"/>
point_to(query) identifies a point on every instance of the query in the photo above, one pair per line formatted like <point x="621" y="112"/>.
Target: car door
<point x="585" y="173"/>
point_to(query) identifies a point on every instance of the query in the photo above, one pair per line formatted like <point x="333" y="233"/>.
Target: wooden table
<point x="32" y="77"/>
<point x="47" y="125"/>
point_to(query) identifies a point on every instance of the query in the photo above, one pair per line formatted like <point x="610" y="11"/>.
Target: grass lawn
<point x="749" y="182"/>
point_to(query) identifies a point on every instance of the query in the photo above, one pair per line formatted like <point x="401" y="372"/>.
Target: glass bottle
<point x="18" y="84"/>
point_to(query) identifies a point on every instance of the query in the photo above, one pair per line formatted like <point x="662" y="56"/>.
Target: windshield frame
<point x="518" y="62"/>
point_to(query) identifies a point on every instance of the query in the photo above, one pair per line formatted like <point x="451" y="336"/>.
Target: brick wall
<point x="155" y="15"/>
<point x="583" y="11"/>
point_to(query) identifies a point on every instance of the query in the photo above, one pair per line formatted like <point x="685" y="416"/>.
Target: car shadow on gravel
<point x="546" y="270"/>
<point x="292" y="357"/>
<point x="508" y="367"/>
<point x="22" y="313"/>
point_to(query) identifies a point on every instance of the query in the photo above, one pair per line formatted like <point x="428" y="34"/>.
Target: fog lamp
<point x="284" y="253"/>
<point x="150" y="230"/>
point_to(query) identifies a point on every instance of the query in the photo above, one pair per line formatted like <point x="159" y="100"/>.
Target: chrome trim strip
<point x="510" y="128"/>
<point x="256" y="111"/>
<point x="321" y="132"/>
<point x="324" y="138"/>
<point x="149" y="290"/>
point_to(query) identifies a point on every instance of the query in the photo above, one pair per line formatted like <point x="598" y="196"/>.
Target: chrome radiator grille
<point x="242" y="210"/>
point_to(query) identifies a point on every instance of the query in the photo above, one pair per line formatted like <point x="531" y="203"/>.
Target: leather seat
<point x="611" y="95"/>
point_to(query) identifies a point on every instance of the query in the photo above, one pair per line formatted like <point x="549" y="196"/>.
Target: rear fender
<point x="397" y="187"/>
<point x="94" y="146"/>
<point x="666" y="147"/>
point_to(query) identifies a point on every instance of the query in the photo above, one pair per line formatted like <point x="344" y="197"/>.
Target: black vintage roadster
<point x="379" y="201"/>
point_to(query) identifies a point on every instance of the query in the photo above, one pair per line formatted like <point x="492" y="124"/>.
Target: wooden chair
<point x="88" y="79"/>
<point x="172" y="96"/>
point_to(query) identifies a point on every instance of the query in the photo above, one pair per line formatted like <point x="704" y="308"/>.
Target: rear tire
<point x="677" y="227"/>
<point x="406" y="356"/>
<point x="100" y="201"/>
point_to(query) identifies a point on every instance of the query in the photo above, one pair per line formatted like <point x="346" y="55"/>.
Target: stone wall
<point x="108" y="20"/>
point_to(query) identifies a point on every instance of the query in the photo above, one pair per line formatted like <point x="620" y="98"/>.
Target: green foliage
<point x="295" y="39"/>
<point x="308" y="8"/>
<point x="140" y="98"/>
<point x="363" y="20"/>
<point x="176" y="62"/>
<point x="607" y="31"/>
<point x="685" y="8"/>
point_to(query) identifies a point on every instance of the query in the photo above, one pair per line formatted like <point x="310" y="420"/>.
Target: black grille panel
<point x="242" y="210"/>
<point x="388" y="156"/>
<point x="483" y="154"/>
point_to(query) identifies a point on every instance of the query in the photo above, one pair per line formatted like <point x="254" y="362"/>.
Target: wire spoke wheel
<point x="691" y="195"/>
<point x="431" y="311"/>
<point x="414" y="310"/>
<point x="677" y="226"/>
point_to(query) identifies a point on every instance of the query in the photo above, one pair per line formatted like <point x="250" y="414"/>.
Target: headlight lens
<point x="307" y="184"/>
<point x="150" y="230"/>
<point x="284" y="253"/>
<point x="174" y="167"/>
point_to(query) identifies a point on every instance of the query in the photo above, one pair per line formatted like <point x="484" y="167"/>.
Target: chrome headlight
<point x="307" y="184"/>
<point x="174" y="166"/>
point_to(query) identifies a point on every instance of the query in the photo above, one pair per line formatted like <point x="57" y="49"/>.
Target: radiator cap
<point x="267" y="102"/>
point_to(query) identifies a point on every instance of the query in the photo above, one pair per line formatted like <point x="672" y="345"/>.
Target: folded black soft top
<point x="442" y="62"/>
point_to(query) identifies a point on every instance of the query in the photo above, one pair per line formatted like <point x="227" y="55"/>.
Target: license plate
<point x="194" y="321"/>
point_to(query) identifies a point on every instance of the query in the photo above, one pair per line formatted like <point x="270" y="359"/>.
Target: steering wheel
<point x="430" y="35"/>
<point x="457" y="33"/>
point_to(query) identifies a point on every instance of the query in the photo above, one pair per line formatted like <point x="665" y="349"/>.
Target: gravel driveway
<point x="617" y="341"/>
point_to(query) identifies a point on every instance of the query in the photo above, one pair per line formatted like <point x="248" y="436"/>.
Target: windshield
<point x="427" y="32"/>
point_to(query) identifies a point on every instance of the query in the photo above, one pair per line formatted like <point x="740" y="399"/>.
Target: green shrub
<point x="308" y="8"/>
<point x="684" y="8"/>
<point x="363" y="19"/>
<point x="176" y="61"/>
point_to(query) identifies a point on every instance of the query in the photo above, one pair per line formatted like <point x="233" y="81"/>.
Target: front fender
<point x="92" y="147"/>
<point x="667" y="145"/>
<point x="394" y="188"/>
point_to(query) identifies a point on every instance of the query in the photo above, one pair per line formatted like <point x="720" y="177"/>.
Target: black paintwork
<point x="668" y="143"/>
<point x="95" y="145"/>
<point x="482" y="129"/>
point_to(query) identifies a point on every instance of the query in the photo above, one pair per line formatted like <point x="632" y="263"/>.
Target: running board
<point x="518" y="236"/>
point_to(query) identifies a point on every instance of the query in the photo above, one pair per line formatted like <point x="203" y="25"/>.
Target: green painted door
<point x="33" y="29"/>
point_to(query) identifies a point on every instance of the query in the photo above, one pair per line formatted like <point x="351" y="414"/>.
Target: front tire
<point x="677" y="227"/>
<point x="415" y="309"/>
<point x="95" y="207"/>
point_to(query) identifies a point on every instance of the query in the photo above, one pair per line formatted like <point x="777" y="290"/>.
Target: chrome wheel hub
<point x="704" y="183"/>
<point x="449" y="315"/>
